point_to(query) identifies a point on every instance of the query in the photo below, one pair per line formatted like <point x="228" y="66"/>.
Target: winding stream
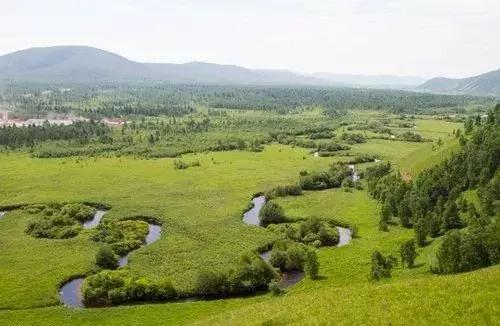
<point x="355" y="175"/>
<point x="289" y="278"/>
<point x="70" y="293"/>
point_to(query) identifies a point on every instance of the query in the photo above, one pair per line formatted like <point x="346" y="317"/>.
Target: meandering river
<point x="71" y="292"/>
<point x="291" y="277"/>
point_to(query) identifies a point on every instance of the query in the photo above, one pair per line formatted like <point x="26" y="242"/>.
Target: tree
<point x="381" y="266"/>
<point x="451" y="219"/>
<point x="271" y="213"/>
<point x="408" y="253"/>
<point x="106" y="258"/>
<point x="420" y="232"/>
<point x="312" y="265"/>
<point x="385" y="216"/>
<point x="449" y="254"/>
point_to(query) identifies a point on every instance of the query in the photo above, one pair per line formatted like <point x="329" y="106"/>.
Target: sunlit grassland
<point x="201" y="208"/>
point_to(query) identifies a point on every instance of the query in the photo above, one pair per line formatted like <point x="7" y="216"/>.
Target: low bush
<point x="312" y="231"/>
<point x="122" y="236"/>
<point x="351" y="138"/>
<point x="250" y="275"/>
<point x="58" y="221"/>
<point x="331" y="178"/>
<point x="106" y="258"/>
<point x="271" y="213"/>
<point x="282" y="191"/>
<point x="181" y="165"/>
<point x="115" y="287"/>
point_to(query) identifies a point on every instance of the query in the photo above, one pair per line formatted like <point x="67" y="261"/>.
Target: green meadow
<point x="201" y="210"/>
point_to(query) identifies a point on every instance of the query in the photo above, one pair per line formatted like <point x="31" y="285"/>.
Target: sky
<point x="427" y="38"/>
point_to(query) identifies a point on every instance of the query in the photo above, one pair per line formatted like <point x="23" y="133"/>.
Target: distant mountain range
<point x="83" y="64"/>
<point x="484" y="84"/>
<point x="380" y="81"/>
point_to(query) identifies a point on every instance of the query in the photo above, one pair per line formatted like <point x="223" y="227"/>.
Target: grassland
<point x="201" y="209"/>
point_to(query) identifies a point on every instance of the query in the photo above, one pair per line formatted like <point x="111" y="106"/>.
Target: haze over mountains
<point x="83" y="64"/>
<point x="484" y="84"/>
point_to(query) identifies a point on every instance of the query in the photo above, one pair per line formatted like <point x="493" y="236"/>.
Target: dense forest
<point x="177" y="100"/>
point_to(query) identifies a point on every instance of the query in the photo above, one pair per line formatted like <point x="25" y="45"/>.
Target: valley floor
<point x="201" y="209"/>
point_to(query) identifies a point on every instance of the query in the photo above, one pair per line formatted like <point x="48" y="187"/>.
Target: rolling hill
<point x="84" y="64"/>
<point x="484" y="84"/>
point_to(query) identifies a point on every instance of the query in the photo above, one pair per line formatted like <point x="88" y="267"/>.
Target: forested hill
<point x="458" y="199"/>
<point x="485" y="84"/>
<point x="82" y="64"/>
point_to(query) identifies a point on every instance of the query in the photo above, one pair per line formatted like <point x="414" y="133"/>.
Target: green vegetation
<point x="55" y="221"/>
<point x="438" y="201"/>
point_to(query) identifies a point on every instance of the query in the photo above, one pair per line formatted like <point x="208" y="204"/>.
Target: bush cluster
<point x="289" y="255"/>
<point x="122" y="236"/>
<point x="282" y="191"/>
<point x="331" y="178"/>
<point x="114" y="287"/>
<point x="312" y="231"/>
<point x="250" y="275"/>
<point x="271" y="213"/>
<point x="58" y="221"/>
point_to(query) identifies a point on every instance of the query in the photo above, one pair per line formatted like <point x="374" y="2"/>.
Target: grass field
<point x="201" y="208"/>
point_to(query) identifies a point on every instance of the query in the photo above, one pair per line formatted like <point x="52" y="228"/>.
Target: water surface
<point x="71" y="292"/>
<point x="93" y="222"/>
<point x="252" y="215"/>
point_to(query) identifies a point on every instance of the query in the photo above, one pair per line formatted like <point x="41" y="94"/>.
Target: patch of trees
<point x="121" y="236"/>
<point x="81" y="132"/>
<point x="250" y="275"/>
<point x="58" y="221"/>
<point x="467" y="250"/>
<point x="430" y="204"/>
<point x="410" y="136"/>
<point x="288" y="255"/>
<point x="312" y="231"/>
<point x="271" y="213"/>
<point x="115" y="287"/>
<point x="331" y="178"/>
<point x="352" y="138"/>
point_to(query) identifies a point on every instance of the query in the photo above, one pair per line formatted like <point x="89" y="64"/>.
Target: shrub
<point x="181" y="165"/>
<point x="282" y="191"/>
<point x="410" y="137"/>
<point x="275" y="288"/>
<point x="271" y="213"/>
<point x="58" y="222"/>
<point x="353" y="138"/>
<point x="381" y="266"/>
<point x="115" y="287"/>
<point x="250" y="275"/>
<point x="408" y="253"/>
<point x="106" y="258"/>
<point x="312" y="265"/>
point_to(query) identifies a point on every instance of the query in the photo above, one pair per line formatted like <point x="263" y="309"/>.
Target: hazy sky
<point x="410" y="37"/>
